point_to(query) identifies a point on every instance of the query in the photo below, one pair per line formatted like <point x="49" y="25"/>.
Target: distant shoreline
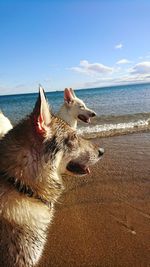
<point x="78" y="89"/>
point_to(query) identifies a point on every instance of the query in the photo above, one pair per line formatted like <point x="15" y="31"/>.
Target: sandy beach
<point x="104" y="219"/>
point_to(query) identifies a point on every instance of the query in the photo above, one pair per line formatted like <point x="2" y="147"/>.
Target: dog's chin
<point x="76" y="168"/>
<point x="84" y="118"/>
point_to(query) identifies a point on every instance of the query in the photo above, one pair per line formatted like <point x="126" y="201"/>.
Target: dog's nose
<point x="93" y="114"/>
<point x="101" y="152"/>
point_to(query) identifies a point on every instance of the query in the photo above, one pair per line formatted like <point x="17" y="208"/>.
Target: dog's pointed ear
<point x="42" y="115"/>
<point x="68" y="97"/>
<point x="72" y="92"/>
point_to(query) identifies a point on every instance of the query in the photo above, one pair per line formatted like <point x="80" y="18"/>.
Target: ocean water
<point x="119" y="109"/>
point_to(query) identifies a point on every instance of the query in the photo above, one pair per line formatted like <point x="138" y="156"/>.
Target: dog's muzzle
<point x="92" y="114"/>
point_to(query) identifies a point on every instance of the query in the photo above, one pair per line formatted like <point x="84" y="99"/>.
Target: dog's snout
<point x="93" y="114"/>
<point x="101" y="152"/>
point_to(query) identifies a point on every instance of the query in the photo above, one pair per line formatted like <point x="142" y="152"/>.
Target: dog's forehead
<point x="79" y="102"/>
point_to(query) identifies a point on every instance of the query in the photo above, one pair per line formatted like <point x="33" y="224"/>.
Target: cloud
<point x="141" y="68"/>
<point x="145" y="57"/>
<point x="99" y="75"/>
<point x="119" y="46"/>
<point x="123" y="61"/>
<point x="92" y="68"/>
<point x="16" y="89"/>
<point x="124" y="79"/>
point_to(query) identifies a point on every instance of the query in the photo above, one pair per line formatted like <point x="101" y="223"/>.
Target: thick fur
<point x="36" y="152"/>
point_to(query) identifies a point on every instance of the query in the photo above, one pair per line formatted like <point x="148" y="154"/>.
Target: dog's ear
<point x="41" y="113"/>
<point x="68" y="97"/>
<point x="72" y="92"/>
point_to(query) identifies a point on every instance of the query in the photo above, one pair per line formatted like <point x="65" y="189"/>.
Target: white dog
<point x="71" y="111"/>
<point x="74" y="109"/>
<point x="5" y="124"/>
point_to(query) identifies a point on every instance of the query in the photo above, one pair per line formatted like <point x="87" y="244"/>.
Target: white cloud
<point x="99" y="75"/>
<point x="124" y="79"/>
<point x="123" y="61"/>
<point x="92" y="68"/>
<point x="141" y="68"/>
<point x="145" y="57"/>
<point x="119" y="46"/>
<point x="28" y="87"/>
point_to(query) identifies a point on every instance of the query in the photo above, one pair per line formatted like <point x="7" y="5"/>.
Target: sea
<point x="120" y="109"/>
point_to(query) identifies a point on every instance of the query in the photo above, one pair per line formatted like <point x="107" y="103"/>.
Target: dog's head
<point x="62" y="148"/>
<point x="77" y="107"/>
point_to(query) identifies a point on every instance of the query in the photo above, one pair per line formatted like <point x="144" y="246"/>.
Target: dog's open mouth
<point x="77" y="168"/>
<point x="84" y="118"/>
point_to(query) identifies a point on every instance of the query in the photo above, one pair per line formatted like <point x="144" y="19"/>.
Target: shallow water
<point x="119" y="109"/>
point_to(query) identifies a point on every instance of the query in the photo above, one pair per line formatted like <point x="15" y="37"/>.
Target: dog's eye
<point x="70" y="141"/>
<point x="74" y="136"/>
<point x="82" y="107"/>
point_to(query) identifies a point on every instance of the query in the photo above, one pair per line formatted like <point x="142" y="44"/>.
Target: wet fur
<point x="35" y="152"/>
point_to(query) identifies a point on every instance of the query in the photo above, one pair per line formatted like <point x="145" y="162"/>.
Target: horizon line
<point x="78" y="89"/>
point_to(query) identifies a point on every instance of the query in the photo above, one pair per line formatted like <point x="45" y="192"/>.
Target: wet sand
<point x="104" y="219"/>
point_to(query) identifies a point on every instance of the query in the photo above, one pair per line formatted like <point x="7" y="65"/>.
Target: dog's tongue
<point x="78" y="168"/>
<point x="84" y="118"/>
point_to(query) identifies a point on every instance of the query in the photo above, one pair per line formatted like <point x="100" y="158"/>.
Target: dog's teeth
<point x="88" y="170"/>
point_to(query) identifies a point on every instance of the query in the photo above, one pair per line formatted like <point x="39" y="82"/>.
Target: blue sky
<point x="73" y="43"/>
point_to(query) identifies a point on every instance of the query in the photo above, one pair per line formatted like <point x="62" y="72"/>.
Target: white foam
<point x="114" y="127"/>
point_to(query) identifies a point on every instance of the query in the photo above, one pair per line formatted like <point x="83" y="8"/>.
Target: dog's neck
<point x="23" y="188"/>
<point x="25" y="161"/>
<point x="65" y="114"/>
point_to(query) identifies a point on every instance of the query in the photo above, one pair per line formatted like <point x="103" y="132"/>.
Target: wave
<point x="116" y="125"/>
